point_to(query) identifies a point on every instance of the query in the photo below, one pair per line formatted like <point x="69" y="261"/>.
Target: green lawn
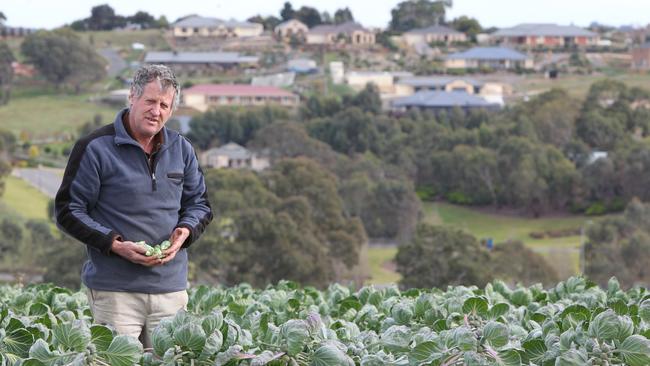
<point x="25" y="200"/>
<point x="48" y="114"/>
<point x="562" y="253"/>
<point x="380" y="263"/>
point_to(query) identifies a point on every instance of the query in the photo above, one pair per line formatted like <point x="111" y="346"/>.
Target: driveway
<point x="46" y="180"/>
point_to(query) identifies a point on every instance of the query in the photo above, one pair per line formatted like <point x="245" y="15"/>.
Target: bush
<point x="459" y="198"/>
<point x="426" y="193"/>
<point x="617" y="204"/>
<point x="597" y="208"/>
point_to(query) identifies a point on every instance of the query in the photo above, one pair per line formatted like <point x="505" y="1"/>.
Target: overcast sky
<point x="499" y="13"/>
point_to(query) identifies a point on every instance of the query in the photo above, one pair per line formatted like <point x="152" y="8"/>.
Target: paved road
<point x="115" y="63"/>
<point x="46" y="180"/>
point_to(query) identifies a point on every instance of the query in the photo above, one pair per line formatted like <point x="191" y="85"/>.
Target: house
<point x="498" y="58"/>
<point x="545" y="35"/>
<point x="491" y="91"/>
<point x="438" y="101"/>
<point x="233" y="156"/>
<point x="205" y="96"/>
<point x="433" y="34"/>
<point x="349" y="32"/>
<point x="291" y="29"/>
<point x="384" y="80"/>
<point x="198" y="26"/>
<point x="302" y="66"/>
<point x="202" y="63"/>
<point x="641" y="57"/>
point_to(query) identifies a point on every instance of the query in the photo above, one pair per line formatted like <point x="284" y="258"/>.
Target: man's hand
<point x="133" y="252"/>
<point x="177" y="239"/>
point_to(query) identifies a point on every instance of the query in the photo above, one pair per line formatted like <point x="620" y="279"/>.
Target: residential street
<point x="46" y="180"/>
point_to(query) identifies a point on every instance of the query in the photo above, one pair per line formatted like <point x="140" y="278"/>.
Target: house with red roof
<point x="205" y="96"/>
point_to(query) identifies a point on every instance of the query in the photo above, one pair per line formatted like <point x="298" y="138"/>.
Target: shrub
<point x="597" y="208"/>
<point x="459" y="198"/>
<point x="426" y="193"/>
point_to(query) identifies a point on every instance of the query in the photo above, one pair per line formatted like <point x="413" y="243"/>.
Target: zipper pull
<point x="153" y="181"/>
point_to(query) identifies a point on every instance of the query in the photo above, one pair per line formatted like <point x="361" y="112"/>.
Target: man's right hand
<point x="133" y="252"/>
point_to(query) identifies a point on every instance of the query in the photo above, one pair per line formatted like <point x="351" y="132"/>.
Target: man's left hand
<point x="177" y="239"/>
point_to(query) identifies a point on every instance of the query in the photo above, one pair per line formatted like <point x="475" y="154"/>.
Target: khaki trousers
<point x="132" y="313"/>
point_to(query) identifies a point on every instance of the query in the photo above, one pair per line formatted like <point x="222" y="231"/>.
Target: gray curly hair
<point x="148" y="73"/>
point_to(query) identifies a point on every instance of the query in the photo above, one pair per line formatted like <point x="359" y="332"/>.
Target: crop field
<point x="574" y="323"/>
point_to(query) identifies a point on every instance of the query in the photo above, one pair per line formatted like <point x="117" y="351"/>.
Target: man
<point x="135" y="180"/>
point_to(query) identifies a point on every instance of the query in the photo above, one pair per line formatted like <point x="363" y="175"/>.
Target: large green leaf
<point x="509" y="357"/>
<point x="162" y="340"/>
<point x="426" y="352"/>
<point x="521" y="297"/>
<point x="330" y="355"/>
<point x="101" y="337"/>
<point x="477" y="306"/>
<point x="123" y="351"/>
<point x="402" y="312"/>
<point x="73" y="336"/>
<point x="604" y="326"/>
<point x="296" y="334"/>
<point x="190" y="337"/>
<point x="535" y="350"/>
<point x="212" y="345"/>
<point x="396" y="338"/>
<point x="495" y="334"/>
<point x="18" y="342"/>
<point x="572" y="358"/>
<point x="40" y="351"/>
<point x="635" y="350"/>
<point x="212" y="322"/>
<point x="498" y="310"/>
<point x="464" y="339"/>
<point x="619" y="306"/>
<point x="38" y="308"/>
<point x="644" y="311"/>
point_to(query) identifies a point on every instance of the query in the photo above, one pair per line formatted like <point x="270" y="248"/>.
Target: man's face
<point x="150" y="112"/>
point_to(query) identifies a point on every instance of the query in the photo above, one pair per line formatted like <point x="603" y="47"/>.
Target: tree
<point x="221" y="126"/>
<point x="12" y="236"/>
<point x="440" y="256"/>
<point x="308" y="15"/>
<point x="618" y="247"/>
<point x="467" y="25"/>
<point x="3" y="19"/>
<point x="287" y="223"/>
<point x="63" y="59"/>
<point x="287" y="12"/>
<point x="102" y="17"/>
<point x="367" y="99"/>
<point x="6" y="72"/>
<point x="516" y="263"/>
<point x="144" y="19"/>
<point x="411" y="14"/>
<point x="269" y="22"/>
<point x="343" y="15"/>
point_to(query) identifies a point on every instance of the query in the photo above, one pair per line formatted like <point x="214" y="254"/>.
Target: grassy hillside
<point x="25" y="200"/>
<point x="44" y="114"/>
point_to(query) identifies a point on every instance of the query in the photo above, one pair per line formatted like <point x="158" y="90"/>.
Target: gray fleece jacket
<point x="110" y="189"/>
